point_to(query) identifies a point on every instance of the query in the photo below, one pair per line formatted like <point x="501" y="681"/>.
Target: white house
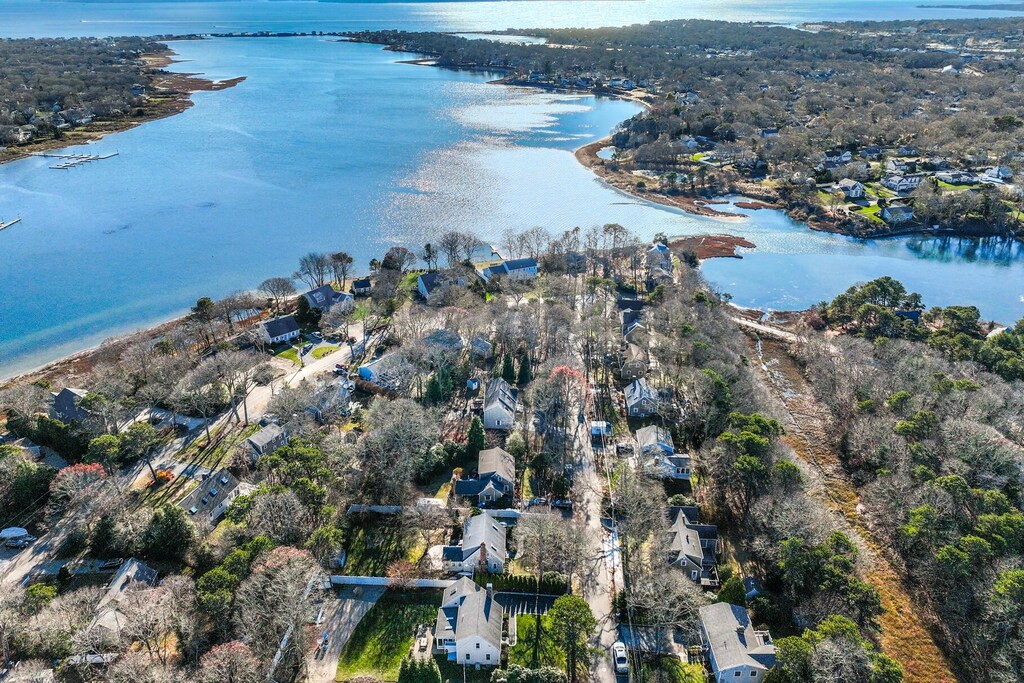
<point x="499" y="405"/>
<point x="896" y="215"/>
<point x="482" y="547"/>
<point x="902" y="183"/>
<point x="999" y="173"/>
<point x="468" y="626"/>
<point x="850" y="188"/>
<point x="280" y="330"/>
<point x="838" y="156"/>
<point x="674" y="466"/>
<point x="735" y="650"/>
<point x="515" y="269"/>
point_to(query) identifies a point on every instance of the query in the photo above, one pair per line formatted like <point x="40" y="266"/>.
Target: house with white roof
<point x="482" y="547"/>
<point x="736" y="651"/>
<point x="468" y="626"/>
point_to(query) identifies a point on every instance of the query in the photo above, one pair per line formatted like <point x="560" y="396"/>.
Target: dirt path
<point x="903" y="633"/>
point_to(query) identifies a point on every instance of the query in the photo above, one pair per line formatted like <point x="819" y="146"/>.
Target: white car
<point x="619" y="657"/>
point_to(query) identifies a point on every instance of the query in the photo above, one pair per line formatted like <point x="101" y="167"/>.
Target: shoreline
<point x="173" y="94"/>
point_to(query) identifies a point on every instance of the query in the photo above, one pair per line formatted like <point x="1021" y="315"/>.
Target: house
<point x="631" y="322"/>
<point x="677" y="466"/>
<point x="484" y="254"/>
<point x="902" y="183"/>
<point x="480" y="347"/>
<point x="444" y="340"/>
<point x="482" y="547"/>
<point x="694" y="547"/>
<point x="837" y="156"/>
<point x="132" y="576"/>
<point x="430" y="284"/>
<point x="325" y="298"/>
<point x="900" y="166"/>
<point x="65" y="405"/>
<point x="468" y="626"/>
<point x="361" y="286"/>
<point x="267" y="440"/>
<point x="641" y="401"/>
<point x="659" y="256"/>
<point x="735" y="650"/>
<point x="633" y="362"/>
<point x="499" y="411"/>
<point x="280" y="330"/>
<point x="850" y="188"/>
<point x="212" y="497"/>
<point x="516" y="269"/>
<point x="907" y="151"/>
<point x="999" y="173"/>
<point x="957" y="177"/>
<point x="769" y="132"/>
<point x="387" y="372"/>
<point x="655" y="440"/>
<point x="871" y="153"/>
<point x="333" y="400"/>
<point x="496" y="477"/>
<point x="896" y="215"/>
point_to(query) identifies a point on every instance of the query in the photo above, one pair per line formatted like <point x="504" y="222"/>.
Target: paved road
<point x="599" y="584"/>
<point x="340" y="621"/>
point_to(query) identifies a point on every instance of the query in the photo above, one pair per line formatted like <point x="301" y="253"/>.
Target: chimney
<point x="483" y="556"/>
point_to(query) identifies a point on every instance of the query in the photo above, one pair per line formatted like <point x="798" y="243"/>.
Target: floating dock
<point x="7" y="224"/>
<point x="72" y="160"/>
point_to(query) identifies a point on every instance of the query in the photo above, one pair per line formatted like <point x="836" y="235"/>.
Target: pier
<point x="72" y="160"/>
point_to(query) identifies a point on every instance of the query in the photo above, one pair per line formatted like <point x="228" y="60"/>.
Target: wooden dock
<point x="7" y="224"/>
<point x="72" y="160"/>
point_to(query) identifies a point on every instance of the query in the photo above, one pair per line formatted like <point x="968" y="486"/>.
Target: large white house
<point x="280" y="330"/>
<point x="468" y="626"/>
<point x="735" y="650"/>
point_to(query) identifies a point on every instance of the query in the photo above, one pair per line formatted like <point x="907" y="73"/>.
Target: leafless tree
<point x="313" y="269"/>
<point x="278" y="289"/>
<point x="341" y="265"/>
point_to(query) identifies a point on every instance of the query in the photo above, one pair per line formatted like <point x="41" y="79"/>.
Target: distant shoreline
<point x="176" y="91"/>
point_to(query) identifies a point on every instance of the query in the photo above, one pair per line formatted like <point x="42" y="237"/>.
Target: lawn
<point x="377" y="544"/>
<point x="386" y="633"/>
<point x="669" y="670"/>
<point x="549" y="653"/>
<point x="290" y="353"/>
<point x="321" y="351"/>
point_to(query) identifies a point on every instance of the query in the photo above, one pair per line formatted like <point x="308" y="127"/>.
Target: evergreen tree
<point x="476" y="439"/>
<point x="170" y="534"/>
<point x="508" y="370"/>
<point x="733" y="592"/>
<point x="525" y="371"/>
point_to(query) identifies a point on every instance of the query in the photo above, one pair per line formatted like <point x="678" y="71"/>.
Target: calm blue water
<point x="21" y="18"/>
<point x="330" y="145"/>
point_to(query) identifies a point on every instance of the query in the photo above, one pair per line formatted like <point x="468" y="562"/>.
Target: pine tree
<point x="476" y="439"/>
<point x="525" y="371"/>
<point x="508" y="370"/>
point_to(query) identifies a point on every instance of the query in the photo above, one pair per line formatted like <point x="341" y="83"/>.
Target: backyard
<point x="385" y="635"/>
<point x="548" y="651"/>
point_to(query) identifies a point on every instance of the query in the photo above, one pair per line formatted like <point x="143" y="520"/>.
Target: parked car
<point x="563" y="503"/>
<point x="422" y="643"/>
<point x="16" y="543"/>
<point x="536" y="501"/>
<point x="306" y="349"/>
<point x="619" y="657"/>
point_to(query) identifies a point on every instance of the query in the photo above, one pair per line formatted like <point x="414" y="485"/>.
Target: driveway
<point x="339" y="622"/>
<point x="599" y="582"/>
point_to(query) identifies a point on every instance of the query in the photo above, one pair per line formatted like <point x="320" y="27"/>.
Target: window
<point x="467" y="657"/>
<point x="478" y="646"/>
<point x="753" y="674"/>
<point x="693" y="577"/>
<point x="738" y="673"/>
<point x="488" y="658"/>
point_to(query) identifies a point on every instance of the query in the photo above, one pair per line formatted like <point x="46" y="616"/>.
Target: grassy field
<point x="668" y="670"/>
<point x="386" y="633"/>
<point x="290" y="353"/>
<point x="549" y="653"/>
<point x="376" y="545"/>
